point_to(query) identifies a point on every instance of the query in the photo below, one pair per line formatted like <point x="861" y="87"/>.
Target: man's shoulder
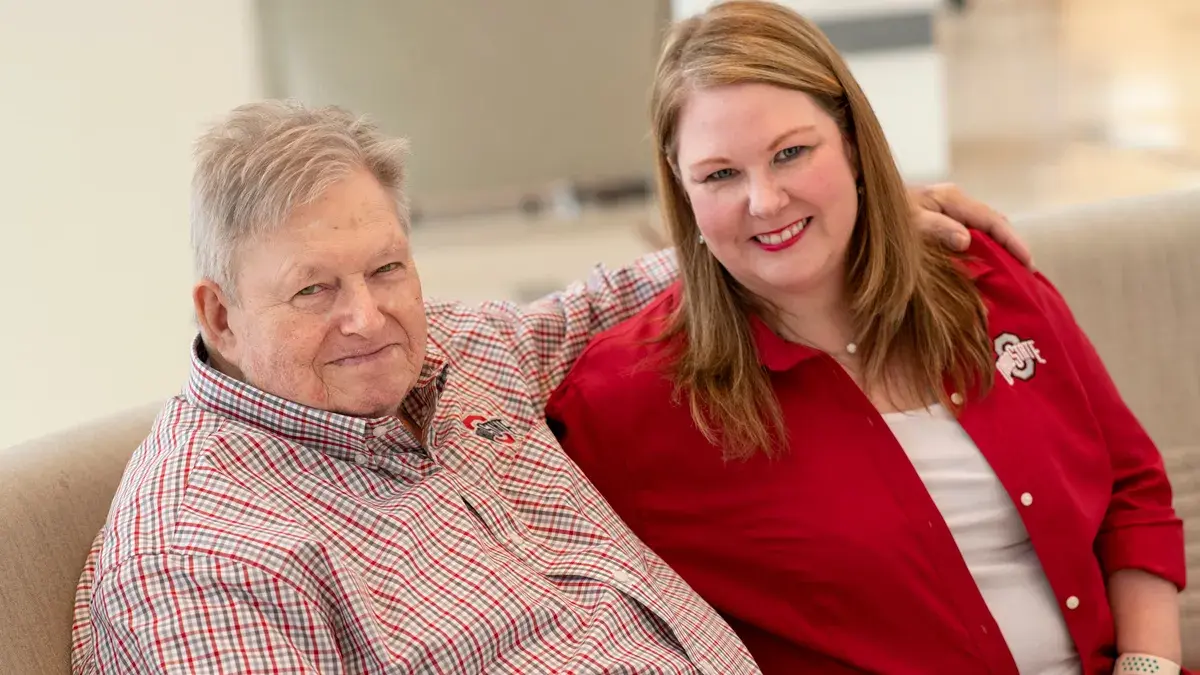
<point x="191" y="456"/>
<point x="461" y="327"/>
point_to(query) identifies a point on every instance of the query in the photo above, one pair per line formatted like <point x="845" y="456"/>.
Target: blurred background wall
<point x="498" y="97"/>
<point x="100" y="104"/>
<point x="528" y="126"/>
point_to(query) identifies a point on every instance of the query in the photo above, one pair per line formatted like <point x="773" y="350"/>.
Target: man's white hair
<point x="265" y="160"/>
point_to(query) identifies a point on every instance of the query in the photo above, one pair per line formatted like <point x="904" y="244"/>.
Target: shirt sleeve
<point x="549" y="334"/>
<point x="183" y="614"/>
<point x="1141" y="529"/>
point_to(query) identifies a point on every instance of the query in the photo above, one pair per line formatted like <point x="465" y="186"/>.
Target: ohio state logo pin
<point x="1016" y="359"/>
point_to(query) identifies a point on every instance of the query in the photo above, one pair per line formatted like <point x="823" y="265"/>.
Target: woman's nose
<point x="767" y="197"/>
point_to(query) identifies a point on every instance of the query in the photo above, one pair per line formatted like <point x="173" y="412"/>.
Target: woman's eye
<point x="789" y="153"/>
<point x="722" y="174"/>
<point x="390" y="267"/>
<point x="310" y="290"/>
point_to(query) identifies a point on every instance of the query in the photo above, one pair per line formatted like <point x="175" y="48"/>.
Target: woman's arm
<point x="1146" y="612"/>
<point x="1140" y="543"/>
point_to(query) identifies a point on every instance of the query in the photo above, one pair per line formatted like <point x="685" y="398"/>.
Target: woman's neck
<point x="824" y="321"/>
<point x="819" y="319"/>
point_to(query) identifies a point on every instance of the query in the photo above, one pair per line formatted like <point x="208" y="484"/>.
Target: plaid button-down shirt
<point x="251" y="534"/>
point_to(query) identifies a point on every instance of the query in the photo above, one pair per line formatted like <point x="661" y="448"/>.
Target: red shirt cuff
<point x="1157" y="549"/>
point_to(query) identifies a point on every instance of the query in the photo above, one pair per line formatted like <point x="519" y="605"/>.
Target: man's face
<point x="329" y="312"/>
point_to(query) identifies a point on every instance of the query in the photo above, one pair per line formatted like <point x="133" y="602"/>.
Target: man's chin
<point x="369" y="409"/>
<point x="376" y="402"/>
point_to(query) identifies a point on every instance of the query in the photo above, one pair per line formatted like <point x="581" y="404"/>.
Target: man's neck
<point x="412" y="424"/>
<point x="220" y="364"/>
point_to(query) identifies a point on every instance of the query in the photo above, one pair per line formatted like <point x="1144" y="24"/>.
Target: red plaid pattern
<point x="254" y="535"/>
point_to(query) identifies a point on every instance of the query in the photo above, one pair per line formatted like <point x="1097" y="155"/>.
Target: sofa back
<point x="54" y="496"/>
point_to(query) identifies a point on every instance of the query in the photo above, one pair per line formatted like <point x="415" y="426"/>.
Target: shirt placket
<point x="1038" y="508"/>
<point x="615" y="570"/>
<point x="933" y="536"/>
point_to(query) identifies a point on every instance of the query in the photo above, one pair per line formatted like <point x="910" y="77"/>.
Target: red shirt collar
<point x="775" y="353"/>
<point x="973" y="266"/>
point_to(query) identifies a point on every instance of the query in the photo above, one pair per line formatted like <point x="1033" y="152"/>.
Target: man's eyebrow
<point x="300" y="272"/>
<point x="398" y="247"/>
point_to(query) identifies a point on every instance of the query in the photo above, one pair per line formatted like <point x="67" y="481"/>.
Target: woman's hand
<point x="947" y="213"/>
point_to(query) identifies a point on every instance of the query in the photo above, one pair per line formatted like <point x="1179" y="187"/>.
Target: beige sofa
<point x="1128" y="269"/>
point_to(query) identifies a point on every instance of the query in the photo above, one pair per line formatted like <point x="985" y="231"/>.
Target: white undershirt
<point x="992" y="538"/>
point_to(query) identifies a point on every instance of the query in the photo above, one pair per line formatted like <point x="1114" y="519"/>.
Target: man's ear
<point x="212" y="313"/>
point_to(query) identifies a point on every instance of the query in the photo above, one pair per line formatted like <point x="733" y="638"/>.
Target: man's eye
<point x="310" y="290"/>
<point x="390" y="267"/>
<point x="721" y="174"/>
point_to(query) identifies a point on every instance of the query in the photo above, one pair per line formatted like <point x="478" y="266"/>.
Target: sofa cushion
<point x="54" y="496"/>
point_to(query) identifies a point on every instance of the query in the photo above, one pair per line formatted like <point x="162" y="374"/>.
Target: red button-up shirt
<point x="834" y="558"/>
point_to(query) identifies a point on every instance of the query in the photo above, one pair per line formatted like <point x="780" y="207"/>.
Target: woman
<point x="868" y="454"/>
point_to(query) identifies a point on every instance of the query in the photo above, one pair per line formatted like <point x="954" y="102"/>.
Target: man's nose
<point x="360" y="311"/>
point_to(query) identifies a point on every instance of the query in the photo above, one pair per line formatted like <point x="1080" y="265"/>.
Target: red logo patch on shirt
<point x="1016" y="359"/>
<point x="492" y="429"/>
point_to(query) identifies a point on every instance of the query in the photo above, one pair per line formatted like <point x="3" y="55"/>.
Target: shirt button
<point x="1072" y="602"/>
<point x="1026" y="499"/>
<point x="361" y="459"/>
<point x="956" y="398"/>
<point x="379" y="432"/>
<point x="622" y="577"/>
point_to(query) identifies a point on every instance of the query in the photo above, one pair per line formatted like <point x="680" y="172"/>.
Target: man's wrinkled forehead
<point x="304" y="250"/>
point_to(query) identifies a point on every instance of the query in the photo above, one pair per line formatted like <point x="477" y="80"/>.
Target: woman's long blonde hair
<point x="917" y="317"/>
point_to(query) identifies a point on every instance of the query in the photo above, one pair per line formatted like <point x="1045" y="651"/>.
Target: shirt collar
<point x="211" y="390"/>
<point x="775" y="353"/>
<point x="974" y="266"/>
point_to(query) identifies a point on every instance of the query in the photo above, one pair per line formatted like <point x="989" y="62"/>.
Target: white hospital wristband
<point x="1145" y="664"/>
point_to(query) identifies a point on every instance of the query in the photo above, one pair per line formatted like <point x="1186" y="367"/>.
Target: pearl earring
<point x="700" y="238"/>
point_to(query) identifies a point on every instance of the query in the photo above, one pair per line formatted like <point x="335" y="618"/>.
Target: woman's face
<point x="770" y="185"/>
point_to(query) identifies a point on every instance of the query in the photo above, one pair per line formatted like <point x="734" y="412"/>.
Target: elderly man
<point x="355" y="480"/>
